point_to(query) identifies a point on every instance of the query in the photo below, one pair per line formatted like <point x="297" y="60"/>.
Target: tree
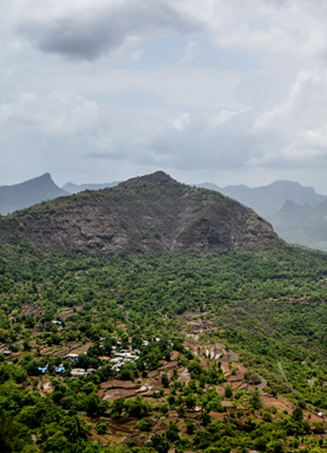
<point x="297" y="414"/>
<point x="255" y="400"/>
<point x="144" y="424"/>
<point x="173" y="432"/>
<point x="12" y="435"/>
<point x="228" y="391"/>
<point x="117" y="408"/>
<point x="190" y="401"/>
<point x="165" y="380"/>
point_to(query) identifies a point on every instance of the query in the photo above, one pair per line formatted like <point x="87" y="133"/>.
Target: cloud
<point x="57" y="114"/>
<point x="269" y="26"/>
<point x="297" y="127"/>
<point x="193" y="141"/>
<point x="88" y="29"/>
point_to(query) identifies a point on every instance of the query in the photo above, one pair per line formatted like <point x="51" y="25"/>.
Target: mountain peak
<point x="158" y="177"/>
<point x="28" y="193"/>
<point x="151" y="213"/>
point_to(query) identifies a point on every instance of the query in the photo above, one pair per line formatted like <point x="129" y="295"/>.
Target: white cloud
<point x="180" y="123"/>
<point x="298" y="126"/>
<point x="58" y="114"/>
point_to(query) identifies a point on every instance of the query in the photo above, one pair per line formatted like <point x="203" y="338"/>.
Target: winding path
<point x="282" y="372"/>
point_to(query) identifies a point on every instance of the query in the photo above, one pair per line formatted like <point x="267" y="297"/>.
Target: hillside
<point x="163" y="352"/>
<point x="268" y="200"/>
<point x="28" y="193"/>
<point x="303" y="225"/>
<point x="142" y="215"/>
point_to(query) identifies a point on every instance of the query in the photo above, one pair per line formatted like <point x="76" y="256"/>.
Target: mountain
<point x="268" y="200"/>
<point x="303" y="225"/>
<point x="28" y="193"/>
<point x="142" y="215"/>
<point x="75" y="188"/>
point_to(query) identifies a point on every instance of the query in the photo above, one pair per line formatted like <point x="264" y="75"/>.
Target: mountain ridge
<point x="28" y="193"/>
<point x="76" y="188"/>
<point x="142" y="215"/>
<point x="268" y="200"/>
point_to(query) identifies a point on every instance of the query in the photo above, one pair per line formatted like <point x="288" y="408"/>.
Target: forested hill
<point x="142" y="215"/>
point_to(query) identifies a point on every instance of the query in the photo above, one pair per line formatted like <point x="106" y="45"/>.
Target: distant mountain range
<point x="74" y="188"/>
<point x="28" y="193"/>
<point x="268" y="200"/>
<point x="147" y="214"/>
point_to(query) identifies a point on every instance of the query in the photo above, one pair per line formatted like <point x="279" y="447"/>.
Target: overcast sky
<point x="226" y="91"/>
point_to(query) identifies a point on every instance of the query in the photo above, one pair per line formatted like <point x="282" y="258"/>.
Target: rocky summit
<point x="142" y="215"/>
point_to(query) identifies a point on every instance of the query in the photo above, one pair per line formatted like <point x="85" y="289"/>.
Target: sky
<point x="222" y="91"/>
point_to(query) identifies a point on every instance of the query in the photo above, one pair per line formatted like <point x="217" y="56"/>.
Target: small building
<point x="72" y="357"/>
<point x="77" y="372"/>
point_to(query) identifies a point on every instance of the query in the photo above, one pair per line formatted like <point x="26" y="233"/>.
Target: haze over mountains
<point x="28" y="193"/>
<point x="268" y="200"/>
<point x="75" y="188"/>
<point x="146" y="214"/>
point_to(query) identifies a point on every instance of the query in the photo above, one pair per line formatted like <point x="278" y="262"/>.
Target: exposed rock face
<point x="142" y="215"/>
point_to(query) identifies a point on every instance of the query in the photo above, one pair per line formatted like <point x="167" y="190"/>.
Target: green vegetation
<point x="269" y="307"/>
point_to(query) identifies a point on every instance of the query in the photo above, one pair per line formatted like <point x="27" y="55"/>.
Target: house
<point x="77" y="372"/>
<point x="72" y="357"/>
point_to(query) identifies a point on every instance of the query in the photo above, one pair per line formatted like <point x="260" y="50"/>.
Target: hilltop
<point x="142" y="215"/>
<point x="28" y="193"/>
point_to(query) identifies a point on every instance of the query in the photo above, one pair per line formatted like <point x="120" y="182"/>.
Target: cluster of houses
<point x="120" y="358"/>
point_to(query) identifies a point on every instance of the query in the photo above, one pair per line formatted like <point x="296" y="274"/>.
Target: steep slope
<point x="28" y="193"/>
<point x="142" y="215"/>
<point x="75" y="188"/>
<point x="267" y="200"/>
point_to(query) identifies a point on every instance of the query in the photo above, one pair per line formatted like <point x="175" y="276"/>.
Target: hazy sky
<point x="227" y="91"/>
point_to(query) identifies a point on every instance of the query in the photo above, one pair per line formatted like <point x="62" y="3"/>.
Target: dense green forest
<point x="269" y="307"/>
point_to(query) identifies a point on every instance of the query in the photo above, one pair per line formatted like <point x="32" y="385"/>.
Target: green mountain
<point x="28" y="193"/>
<point x="142" y="215"/>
